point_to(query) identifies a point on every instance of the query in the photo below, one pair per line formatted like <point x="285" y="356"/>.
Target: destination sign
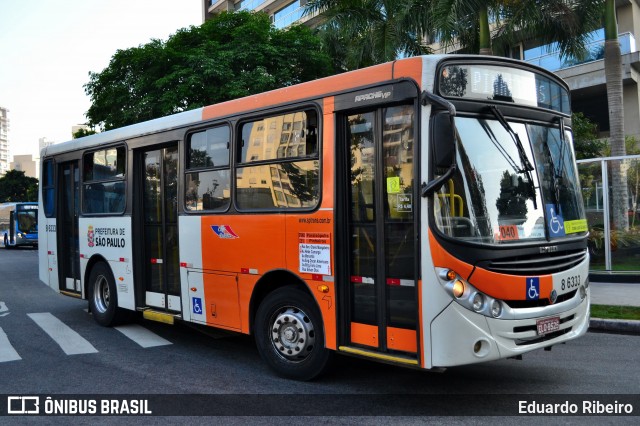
<point x="502" y="83"/>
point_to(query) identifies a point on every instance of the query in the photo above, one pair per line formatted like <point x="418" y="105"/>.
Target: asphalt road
<point x="177" y="361"/>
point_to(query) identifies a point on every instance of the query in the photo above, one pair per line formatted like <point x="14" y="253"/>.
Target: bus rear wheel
<point x="289" y="334"/>
<point x="103" y="297"/>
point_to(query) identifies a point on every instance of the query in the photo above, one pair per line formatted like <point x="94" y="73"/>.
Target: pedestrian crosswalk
<point x="71" y="342"/>
<point x="68" y="340"/>
<point x="7" y="353"/>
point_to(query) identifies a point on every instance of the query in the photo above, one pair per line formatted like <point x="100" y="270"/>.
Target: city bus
<point x="19" y="224"/>
<point x="424" y="212"/>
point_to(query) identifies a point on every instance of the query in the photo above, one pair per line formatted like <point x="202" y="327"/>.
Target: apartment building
<point x="4" y="141"/>
<point x="282" y="12"/>
<point x="26" y="164"/>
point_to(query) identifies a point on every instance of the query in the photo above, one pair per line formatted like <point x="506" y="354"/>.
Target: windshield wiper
<point x="557" y="170"/>
<point x="525" y="165"/>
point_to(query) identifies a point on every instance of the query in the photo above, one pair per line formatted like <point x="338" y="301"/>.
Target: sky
<point x="48" y="48"/>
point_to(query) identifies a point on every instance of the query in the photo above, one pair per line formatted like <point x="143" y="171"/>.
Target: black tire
<point x="103" y="296"/>
<point x="290" y="336"/>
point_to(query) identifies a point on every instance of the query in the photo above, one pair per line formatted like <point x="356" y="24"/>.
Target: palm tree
<point x="481" y="25"/>
<point x="613" y="75"/>
<point x="367" y="32"/>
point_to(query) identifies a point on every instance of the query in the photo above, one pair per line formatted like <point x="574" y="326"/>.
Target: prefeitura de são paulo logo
<point x="90" y="236"/>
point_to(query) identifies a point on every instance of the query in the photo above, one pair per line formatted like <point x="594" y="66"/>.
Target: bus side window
<point x="103" y="188"/>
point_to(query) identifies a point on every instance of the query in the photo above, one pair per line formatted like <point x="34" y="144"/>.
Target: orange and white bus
<point x="424" y="212"/>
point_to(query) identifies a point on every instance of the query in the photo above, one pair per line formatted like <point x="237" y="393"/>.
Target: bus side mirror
<point x="443" y="141"/>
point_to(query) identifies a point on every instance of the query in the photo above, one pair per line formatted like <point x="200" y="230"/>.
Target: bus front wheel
<point x="290" y="336"/>
<point x="103" y="298"/>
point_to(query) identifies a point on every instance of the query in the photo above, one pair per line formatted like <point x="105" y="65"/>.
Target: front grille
<point x="550" y="336"/>
<point x="537" y="264"/>
<point x="532" y="327"/>
<point x="519" y="304"/>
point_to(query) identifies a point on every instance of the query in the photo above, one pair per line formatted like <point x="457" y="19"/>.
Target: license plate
<point x="548" y="325"/>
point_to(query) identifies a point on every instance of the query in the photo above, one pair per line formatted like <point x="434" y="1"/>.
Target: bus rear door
<point x="159" y="204"/>
<point x="67" y="228"/>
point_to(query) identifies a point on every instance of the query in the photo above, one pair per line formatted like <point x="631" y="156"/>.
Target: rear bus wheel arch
<point x="102" y="293"/>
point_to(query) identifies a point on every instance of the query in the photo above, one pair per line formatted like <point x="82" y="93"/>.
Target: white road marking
<point x="70" y="341"/>
<point x="7" y="353"/>
<point x="142" y="336"/>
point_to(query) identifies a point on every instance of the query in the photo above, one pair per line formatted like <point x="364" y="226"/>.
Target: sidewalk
<point x="616" y="294"/>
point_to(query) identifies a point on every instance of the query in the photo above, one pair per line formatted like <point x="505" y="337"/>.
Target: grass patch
<point x="615" y="312"/>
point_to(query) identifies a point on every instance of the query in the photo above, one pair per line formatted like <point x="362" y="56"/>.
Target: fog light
<point x="496" y="309"/>
<point x="458" y="288"/>
<point x="478" y="302"/>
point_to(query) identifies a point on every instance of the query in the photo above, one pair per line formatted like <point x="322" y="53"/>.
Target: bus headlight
<point x="19" y="234"/>
<point x="478" y="302"/>
<point x="458" y="288"/>
<point x="496" y="308"/>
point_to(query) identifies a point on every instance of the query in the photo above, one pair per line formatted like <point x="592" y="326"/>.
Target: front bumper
<point x="460" y="336"/>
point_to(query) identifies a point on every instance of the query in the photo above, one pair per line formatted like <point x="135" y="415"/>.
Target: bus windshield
<point x="27" y="221"/>
<point x="492" y="199"/>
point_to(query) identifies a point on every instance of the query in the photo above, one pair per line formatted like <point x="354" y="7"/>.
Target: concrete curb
<point x="615" y="325"/>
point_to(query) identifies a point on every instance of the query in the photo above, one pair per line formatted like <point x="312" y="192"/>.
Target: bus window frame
<point x="237" y="154"/>
<point x="123" y="179"/>
<point x="51" y="186"/>
<point x="185" y="170"/>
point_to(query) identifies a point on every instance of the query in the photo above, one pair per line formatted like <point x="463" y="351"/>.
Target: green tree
<point x="82" y="132"/>
<point x="15" y="186"/>
<point x="585" y="137"/>
<point x="376" y="31"/>
<point x="360" y="33"/>
<point x="482" y="25"/>
<point x="229" y="56"/>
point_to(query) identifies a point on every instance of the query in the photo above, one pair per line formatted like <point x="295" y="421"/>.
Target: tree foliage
<point x="80" y="133"/>
<point x="585" y="137"/>
<point x="230" y="56"/>
<point x="367" y="32"/>
<point x="361" y="33"/>
<point x="15" y="186"/>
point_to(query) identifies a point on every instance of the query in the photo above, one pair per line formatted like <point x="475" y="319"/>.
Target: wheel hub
<point x="293" y="334"/>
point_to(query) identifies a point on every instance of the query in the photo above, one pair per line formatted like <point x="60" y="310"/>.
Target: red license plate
<point x="548" y="325"/>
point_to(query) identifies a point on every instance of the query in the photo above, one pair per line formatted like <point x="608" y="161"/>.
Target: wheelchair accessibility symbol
<point x="556" y="222"/>
<point x="533" y="288"/>
<point x="197" y="305"/>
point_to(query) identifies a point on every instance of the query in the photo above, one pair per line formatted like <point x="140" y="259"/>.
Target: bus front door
<point x="160" y="228"/>
<point x="380" y="192"/>
<point x="67" y="228"/>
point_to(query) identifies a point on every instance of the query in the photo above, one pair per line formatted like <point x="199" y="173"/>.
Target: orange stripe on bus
<point x="443" y="259"/>
<point x="508" y="287"/>
<point x="310" y="89"/>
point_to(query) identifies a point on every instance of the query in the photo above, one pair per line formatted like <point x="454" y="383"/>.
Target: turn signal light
<point x="451" y="275"/>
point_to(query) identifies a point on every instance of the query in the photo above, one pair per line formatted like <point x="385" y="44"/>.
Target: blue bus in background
<point x="19" y="224"/>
